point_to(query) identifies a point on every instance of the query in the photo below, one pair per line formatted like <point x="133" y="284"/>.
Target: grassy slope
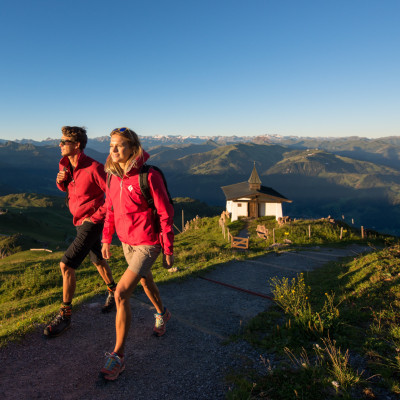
<point x="226" y="159"/>
<point x="384" y="151"/>
<point x="31" y="283"/>
<point x="343" y="171"/>
<point x="43" y="220"/>
<point x="367" y="296"/>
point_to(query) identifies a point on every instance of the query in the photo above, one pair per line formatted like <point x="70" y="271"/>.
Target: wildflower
<point x="335" y="384"/>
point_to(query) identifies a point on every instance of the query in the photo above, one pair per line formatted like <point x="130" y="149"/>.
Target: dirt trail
<point x="189" y="362"/>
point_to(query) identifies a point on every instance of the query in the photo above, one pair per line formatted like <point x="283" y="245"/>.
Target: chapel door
<point x="253" y="209"/>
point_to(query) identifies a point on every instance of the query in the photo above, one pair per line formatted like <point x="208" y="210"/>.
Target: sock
<point x="112" y="286"/>
<point x="165" y="309"/>
<point x="66" y="309"/>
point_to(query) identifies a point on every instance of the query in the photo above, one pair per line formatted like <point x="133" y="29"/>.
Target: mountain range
<point x="384" y="150"/>
<point x="357" y="178"/>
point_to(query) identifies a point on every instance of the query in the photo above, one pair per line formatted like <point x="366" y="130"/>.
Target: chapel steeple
<point x="254" y="180"/>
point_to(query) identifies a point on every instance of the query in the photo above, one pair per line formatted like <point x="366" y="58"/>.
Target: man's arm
<point x="100" y="178"/>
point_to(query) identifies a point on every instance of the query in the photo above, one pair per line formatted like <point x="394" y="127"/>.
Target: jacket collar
<point x="81" y="159"/>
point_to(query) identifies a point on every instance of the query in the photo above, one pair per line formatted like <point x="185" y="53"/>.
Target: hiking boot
<point x="113" y="367"/>
<point x="109" y="305"/>
<point x="60" y="323"/>
<point x="161" y="323"/>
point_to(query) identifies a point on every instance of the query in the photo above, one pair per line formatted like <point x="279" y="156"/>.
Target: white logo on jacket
<point x="130" y="188"/>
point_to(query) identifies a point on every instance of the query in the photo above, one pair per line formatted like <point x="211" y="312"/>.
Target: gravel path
<point x="189" y="362"/>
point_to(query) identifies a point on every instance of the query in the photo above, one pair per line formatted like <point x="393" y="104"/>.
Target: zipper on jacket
<point x="73" y="180"/>
<point x="120" y="200"/>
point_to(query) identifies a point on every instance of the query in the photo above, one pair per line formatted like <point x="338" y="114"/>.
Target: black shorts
<point x="87" y="241"/>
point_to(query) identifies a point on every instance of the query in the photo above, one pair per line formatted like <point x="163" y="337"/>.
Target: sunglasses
<point x="121" y="130"/>
<point x="63" y="142"/>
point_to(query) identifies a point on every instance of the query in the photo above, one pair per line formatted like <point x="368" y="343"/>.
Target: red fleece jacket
<point x="86" y="186"/>
<point x="129" y="214"/>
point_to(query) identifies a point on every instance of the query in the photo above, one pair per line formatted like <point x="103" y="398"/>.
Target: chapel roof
<point x="253" y="189"/>
<point x="242" y="190"/>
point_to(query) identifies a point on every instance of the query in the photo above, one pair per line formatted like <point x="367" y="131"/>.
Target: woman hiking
<point x="143" y="236"/>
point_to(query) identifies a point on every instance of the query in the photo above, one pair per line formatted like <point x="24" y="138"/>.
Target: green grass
<point x="47" y="227"/>
<point x="191" y="208"/>
<point x="31" y="290"/>
<point x="44" y="221"/>
<point x="355" y="356"/>
<point x="25" y="200"/>
<point x="321" y="231"/>
<point x="31" y="283"/>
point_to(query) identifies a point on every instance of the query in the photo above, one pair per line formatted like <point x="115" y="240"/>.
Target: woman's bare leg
<point x="125" y="287"/>
<point x="152" y="292"/>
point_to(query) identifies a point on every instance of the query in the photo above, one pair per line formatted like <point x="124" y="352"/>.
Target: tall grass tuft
<point x="329" y="363"/>
<point x="292" y="298"/>
<point x="339" y="365"/>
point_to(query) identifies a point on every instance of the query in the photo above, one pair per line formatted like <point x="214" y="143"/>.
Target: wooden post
<point x="223" y="228"/>
<point x="228" y="234"/>
<point x="177" y="228"/>
<point x="273" y="236"/>
<point x="352" y="221"/>
<point x="309" y="231"/>
<point x="183" y="221"/>
<point x="362" y="232"/>
<point x="341" y="232"/>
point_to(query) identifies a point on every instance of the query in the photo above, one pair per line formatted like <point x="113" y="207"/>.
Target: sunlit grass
<point x="361" y="296"/>
<point x="31" y="283"/>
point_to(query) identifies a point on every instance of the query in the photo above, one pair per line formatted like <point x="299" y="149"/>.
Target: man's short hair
<point x="77" y="133"/>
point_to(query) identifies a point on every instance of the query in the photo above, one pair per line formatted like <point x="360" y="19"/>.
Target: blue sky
<point x="220" y="67"/>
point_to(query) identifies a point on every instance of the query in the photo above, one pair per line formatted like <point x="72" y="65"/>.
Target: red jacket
<point x="129" y="214"/>
<point x="86" y="186"/>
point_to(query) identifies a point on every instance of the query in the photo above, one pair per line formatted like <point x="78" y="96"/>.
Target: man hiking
<point x="84" y="181"/>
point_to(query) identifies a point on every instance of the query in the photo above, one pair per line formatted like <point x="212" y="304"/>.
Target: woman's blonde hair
<point x="137" y="152"/>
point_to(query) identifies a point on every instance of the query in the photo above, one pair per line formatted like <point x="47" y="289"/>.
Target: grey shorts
<point x="140" y="259"/>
